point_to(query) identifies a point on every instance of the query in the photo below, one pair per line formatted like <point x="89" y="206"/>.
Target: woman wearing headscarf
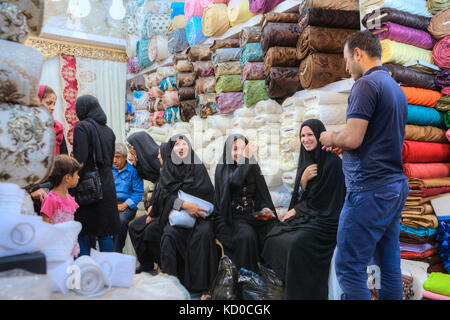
<point x="187" y="253"/>
<point x="300" y="247"/>
<point x="145" y="232"/>
<point x="242" y="197"/>
<point x="92" y="137"/>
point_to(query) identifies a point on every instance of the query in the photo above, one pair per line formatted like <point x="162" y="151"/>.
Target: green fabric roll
<point x="228" y="83"/>
<point x="447" y="119"/>
<point x="443" y="104"/>
<point x="439" y="283"/>
<point x="254" y="91"/>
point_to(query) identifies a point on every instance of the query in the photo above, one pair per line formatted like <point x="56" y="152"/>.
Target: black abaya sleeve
<point x="238" y="176"/>
<point x="81" y="147"/>
<point x="63" y="147"/>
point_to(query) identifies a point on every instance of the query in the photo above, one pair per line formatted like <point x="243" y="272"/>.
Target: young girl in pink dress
<point x="58" y="206"/>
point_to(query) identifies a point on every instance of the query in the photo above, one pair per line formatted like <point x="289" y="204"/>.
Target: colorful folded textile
<point x="226" y="55"/>
<point x="187" y="109"/>
<point x="254" y="91"/>
<point x="185" y="79"/>
<point x="442" y="79"/>
<point x="205" y="85"/>
<point x="215" y="20"/>
<point x="424" y="208"/>
<point x="171" y="99"/>
<point x="194" y="34"/>
<point x="228" y="83"/>
<point x="320" y="69"/>
<point x="263" y="6"/>
<point x="225" y="43"/>
<point x="411" y="78"/>
<point x="239" y="11"/>
<point x="430" y="183"/>
<point x="416" y="151"/>
<point x="416" y="247"/>
<point x="409" y="237"/>
<point x="440" y="53"/>
<point x="199" y="53"/>
<point x="192" y="8"/>
<point x="279" y="34"/>
<point x="177" y="8"/>
<point x="249" y="35"/>
<point x="227" y="68"/>
<point x="413" y="200"/>
<point x="251" y="52"/>
<point x="203" y="68"/>
<point x="439" y="26"/>
<point x="428" y="192"/>
<point x="284" y="17"/>
<point x="425" y="116"/>
<point x="142" y="53"/>
<point x="329" y="18"/>
<point x="443" y="104"/>
<point x="426" y="170"/>
<point x="434" y="296"/>
<point x="417" y="255"/>
<point x="168" y="84"/>
<point x="186" y="93"/>
<point x="419" y="221"/>
<point x="438" y="283"/>
<point x="178" y="22"/>
<point x="206" y="105"/>
<point x="155" y="93"/>
<point x="177" y="41"/>
<point x="374" y="18"/>
<point x="252" y="71"/>
<point x="400" y="53"/>
<point x="436" y="6"/>
<point x="172" y="115"/>
<point x="403" y="34"/>
<point x="282" y="82"/>
<point x="417" y="7"/>
<point x="227" y="103"/>
<point x="321" y="39"/>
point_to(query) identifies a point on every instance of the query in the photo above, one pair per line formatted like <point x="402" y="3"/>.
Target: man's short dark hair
<point x="63" y="165"/>
<point x="365" y="41"/>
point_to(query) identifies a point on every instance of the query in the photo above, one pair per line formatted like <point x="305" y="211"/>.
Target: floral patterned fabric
<point x="227" y="68"/>
<point x="227" y="103"/>
<point x="252" y="71"/>
<point x="254" y="91"/>
<point x="252" y="52"/>
<point x="206" y="105"/>
<point x="228" y="83"/>
<point x="185" y="79"/>
<point x="168" y="84"/>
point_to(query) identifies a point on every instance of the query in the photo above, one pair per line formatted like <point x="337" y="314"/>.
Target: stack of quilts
<point x="437" y="287"/>
<point x="323" y="27"/>
<point x="186" y="88"/>
<point x="279" y="37"/>
<point x="154" y="96"/>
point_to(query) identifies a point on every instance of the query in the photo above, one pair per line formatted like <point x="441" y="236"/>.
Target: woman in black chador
<point x="241" y="194"/>
<point x="187" y="253"/>
<point x="300" y="247"/>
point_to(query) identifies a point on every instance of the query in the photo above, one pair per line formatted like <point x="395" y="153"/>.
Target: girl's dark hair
<point x="48" y="91"/>
<point x="63" y="165"/>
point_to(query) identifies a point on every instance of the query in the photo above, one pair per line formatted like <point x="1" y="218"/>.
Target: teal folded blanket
<point x="424" y="116"/>
<point x="439" y="283"/>
<point x="422" y="232"/>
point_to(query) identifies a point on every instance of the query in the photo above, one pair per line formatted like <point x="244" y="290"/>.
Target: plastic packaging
<point x="263" y="286"/>
<point x="225" y="284"/>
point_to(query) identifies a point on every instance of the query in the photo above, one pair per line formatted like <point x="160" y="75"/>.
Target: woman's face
<point x="308" y="139"/>
<point x="181" y="148"/>
<point x="49" y="102"/>
<point x="238" y="149"/>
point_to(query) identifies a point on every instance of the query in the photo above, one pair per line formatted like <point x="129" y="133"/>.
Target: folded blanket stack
<point x="437" y="286"/>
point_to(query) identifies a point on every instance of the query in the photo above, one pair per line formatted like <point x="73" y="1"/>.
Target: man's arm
<point x="352" y="136"/>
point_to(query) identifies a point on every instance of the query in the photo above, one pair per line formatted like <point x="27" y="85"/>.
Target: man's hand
<point x="194" y="210"/>
<point x="326" y="139"/>
<point x="39" y="194"/>
<point x="122" y="206"/>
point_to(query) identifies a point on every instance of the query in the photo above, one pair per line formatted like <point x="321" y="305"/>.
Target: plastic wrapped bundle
<point x="215" y="20"/>
<point x="254" y="91"/>
<point x="177" y="41"/>
<point x="227" y="103"/>
<point x="328" y="114"/>
<point x="282" y="82"/>
<point x="226" y="55"/>
<point x="239" y="11"/>
<point x="439" y="26"/>
<point x="268" y="107"/>
<point x="290" y="144"/>
<point x="251" y="53"/>
<point x="158" y="49"/>
<point x="244" y="123"/>
<point x="194" y="34"/>
<point x="289" y="161"/>
<point x="441" y="54"/>
<point x="228" y="83"/>
<point x="263" y="6"/>
<point x="267" y="119"/>
<point x="318" y="97"/>
<point x="288" y="179"/>
<point x="271" y="173"/>
<point x="168" y="84"/>
<point x="292" y="117"/>
<point x="205" y="85"/>
<point x="252" y="71"/>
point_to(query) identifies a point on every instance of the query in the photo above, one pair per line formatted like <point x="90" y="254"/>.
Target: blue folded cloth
<point x="422" y="232"/>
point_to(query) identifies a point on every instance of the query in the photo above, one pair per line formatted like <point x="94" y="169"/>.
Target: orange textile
<point x="427" y="170"/>
<point x="421" y="97"/>
<point x="416" y="151"/>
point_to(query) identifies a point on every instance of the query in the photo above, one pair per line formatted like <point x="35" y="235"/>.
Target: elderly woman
<point x="129" y="189"/>
<point x="300" y="247"/>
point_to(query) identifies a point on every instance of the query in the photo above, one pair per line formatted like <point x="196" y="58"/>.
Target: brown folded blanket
<point x="411" y="78"/>
<point x="320" y="69"/>
<point x="429" y="183"/>
<point x="425" y="208"/>
<point x="284" y="17"/>
<point x="250" y="35"/>
<point x="282" y="82"/>
<point x="329" y="18"/>
<point x="279" y="34"/>
<point x="420" y="221"/>
<point x="199" y="53"/>
<point x="185" y="79"/>
<point x="187" y="110"/>
<point x="186" y="93"/>
<point x="226" y="43"/>
<point x="411" y="238"/>
<point x="321" y="39"/>
<point x="280" y="57"/>
<point x="425" y="133"/>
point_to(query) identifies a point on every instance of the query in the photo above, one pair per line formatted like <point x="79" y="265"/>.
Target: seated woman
<point x="187" y="253"/>
<point x="299" y="249"/>
<point x="242" y="193"/>
<point x="145" y="233"/>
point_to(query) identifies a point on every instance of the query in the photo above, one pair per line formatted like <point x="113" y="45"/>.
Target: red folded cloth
<point x="427" y="170"/>
<point x="418" y="255"/>
<point x="416" y="151"/>
<point x="428" y="192"/>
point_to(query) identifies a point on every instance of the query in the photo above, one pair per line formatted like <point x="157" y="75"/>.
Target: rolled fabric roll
<point x="400" y="53"/>
<point x="249" y="35"/>
<point x="328" y="114"/>
<point x="441" y="54"/>
<point x="206" y="105"/>
<point x="251" y="53"/>
<point x="228" y="102"/>
<point x="332" y="4"/>
<point x="421" y="97"/>
<point x="446" y="91"/>
<point x="203" y="68"/>
<point x="168" y="84"/>
<point x="192" y="8"/>
<point x="282" y="17"/>
<point x="225" y="55"/>
<point x="186" y="93"/>
<point x="142" y="53"/>
<point x="215" y="20"/>
<point x="280" y="57"/>
<point x="132" y="65"/>
<point x="179" y="22"/>
<point x="228" y="83"/>
<point x="207" y="3"/>
<point x="184" y="66"/>
<point x="177" y="41"/>
<point x="205" y="85"/>
<point x="131" y="45"/>
<point x="426" y="170"/>
<point x="154" y="24"/>
<point x="93" y="281"/>
<point x="263" y="6"/>
<point x="158" y="49"/>
<point x="140" y="100"/>
<point x="20" y="72"/>
<point x="439" y="26"/>
<point x="282" y="82"/>
<point x="194" y="34"/>
<point x="279" y="34"/>
<point x="417" y="7"/>
<point x="442" y="79"/>
<point x="411" y="78"/>
<point x="321" y="39"/>
<point x="319" y="69"/>
<point x="165" y="72"/>
<point x="172" y="115"/>
<point x="34" y="12"/>
<point x="329" y="18"/>
<point x="374" y="18"/>
<point x="436" y="6"/>
<point x="151" y="80"/>
<point x="227" y="68"/>
<point x="155" y="93"/>
<point x="171" y="99"/>
<point x="425" y="152"/>
<point x="310" y="98"/>
<point x="138" y="84"/>
<point x="254" y="91"/>
<point x="185" y="79"/>
<point x="239" y="11"/>
<point x="424" y="116"/>
<point x="443" y="104"/>
<point x="399" y="33"/>
<point x="187" y="109"/>
<point x="177" y="8"/>
<point x="225" y="43"/>
<point x="157" y="119"/>
<point x="252" y="71"/>
<point x="199" y="53"/>
<point x="424" y="133"/>
<point x="448" y="135"/>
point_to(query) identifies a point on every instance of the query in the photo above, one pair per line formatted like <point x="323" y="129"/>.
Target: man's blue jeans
<point x="125" y="217"/>
<point x="369" y="227"/>
<point x="87" y="242"/>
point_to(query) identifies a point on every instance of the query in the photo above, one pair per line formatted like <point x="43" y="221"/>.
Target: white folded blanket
<point x="93" y="280"/>
<point x="120" y="268"/>
<point x="328" y="114"/>
<point x="268" y="107"/>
